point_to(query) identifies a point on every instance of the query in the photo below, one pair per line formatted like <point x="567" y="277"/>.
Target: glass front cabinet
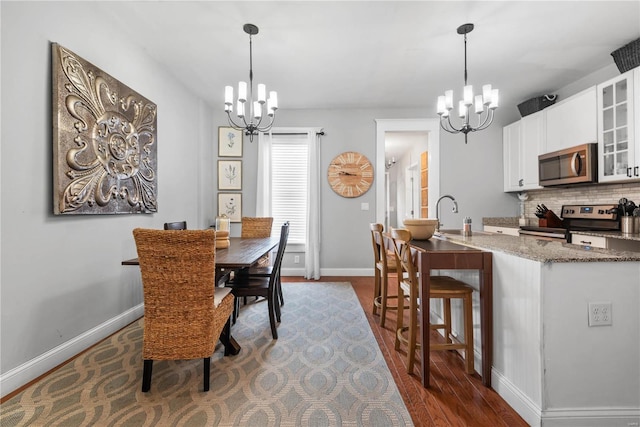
<point x="619" y="154"/>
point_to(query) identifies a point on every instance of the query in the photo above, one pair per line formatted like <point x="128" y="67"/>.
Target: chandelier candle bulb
<point x="274" y="100"/>
<point x="240" y="109"/>
<point x="468" y="95"/>
<point x="494" y="99"/>
<point x="242" y="91"/>
<point x="257" y="111"/>
<point x="462" y="109"/>
<point x="262" y="93"/>
<point x="448" y="97"/>
<point x="228" y="95"/>
<point x="486" y="94"/>
<point x="441" y="108"/>
<point x="479" y="104"/>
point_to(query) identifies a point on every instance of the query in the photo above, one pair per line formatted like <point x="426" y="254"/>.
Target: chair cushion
<point x="219" y="294"/>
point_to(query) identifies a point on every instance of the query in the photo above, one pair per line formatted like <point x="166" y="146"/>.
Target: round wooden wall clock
<point x="350" y="174"/>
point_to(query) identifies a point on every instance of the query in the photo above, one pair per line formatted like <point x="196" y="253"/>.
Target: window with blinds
<point x="289" y="154"/>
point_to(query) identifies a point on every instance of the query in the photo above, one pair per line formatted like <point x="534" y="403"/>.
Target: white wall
<point x="61" y="275"/>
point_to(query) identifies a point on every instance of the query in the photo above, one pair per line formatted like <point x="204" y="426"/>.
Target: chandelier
<point x="390" y="163"/>
<point x="484" y="105"/>
<point x="249" y="109"/>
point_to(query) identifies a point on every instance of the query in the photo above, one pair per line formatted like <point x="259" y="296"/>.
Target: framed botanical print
<point x="230" y="204"/>
<point x="229" y="174"/>
<point x="229" y="142"/>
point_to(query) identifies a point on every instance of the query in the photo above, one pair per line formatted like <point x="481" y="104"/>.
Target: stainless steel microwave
<point x="575" y="165"/>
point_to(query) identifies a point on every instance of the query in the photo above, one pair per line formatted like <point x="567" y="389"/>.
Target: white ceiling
<point x="378" y="54"/>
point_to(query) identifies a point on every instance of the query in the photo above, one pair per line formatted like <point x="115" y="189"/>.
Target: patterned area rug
<point x="325" y="369"/>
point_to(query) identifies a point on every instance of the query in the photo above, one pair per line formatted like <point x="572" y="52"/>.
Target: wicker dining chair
<point x="256" y="227"/>
<point x="444" y="287"/>
<point x="184" y="313"/>
<point x="244" y="285"/>
<point x="179" y="225"/>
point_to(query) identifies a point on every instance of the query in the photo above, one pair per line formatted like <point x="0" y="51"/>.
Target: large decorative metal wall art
<point x="104" y="139"/>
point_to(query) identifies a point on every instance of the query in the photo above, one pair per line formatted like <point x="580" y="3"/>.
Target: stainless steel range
<point x="578" y="218"/>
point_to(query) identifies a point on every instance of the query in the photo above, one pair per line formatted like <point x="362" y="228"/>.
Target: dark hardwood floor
<point x="454" y="398"/>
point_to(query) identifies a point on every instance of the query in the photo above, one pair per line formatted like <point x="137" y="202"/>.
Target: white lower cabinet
<point x="586" y="240"/>
<point x="543" y="344"/>
<point x="509" y="231"/>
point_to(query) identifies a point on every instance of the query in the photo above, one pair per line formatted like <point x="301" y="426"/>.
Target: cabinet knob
<point x="635" y="171"/>
<point x="629" y="172"/>
<point x="521" y="183"/>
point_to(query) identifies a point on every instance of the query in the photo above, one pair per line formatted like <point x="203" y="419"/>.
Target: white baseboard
<point x="591" y="417"/>
<point x="28" y="371"/>
<point x="521" y="403"/>
<point x="330" y="272"/>
<point x="562" y="417"/>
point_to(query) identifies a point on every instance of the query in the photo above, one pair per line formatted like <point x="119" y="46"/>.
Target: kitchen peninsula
<point x="549" y="364"/>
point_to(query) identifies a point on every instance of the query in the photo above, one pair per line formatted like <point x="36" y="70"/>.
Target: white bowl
<point x="421" y="228"/>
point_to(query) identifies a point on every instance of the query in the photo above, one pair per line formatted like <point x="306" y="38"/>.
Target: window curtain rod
<point x="287" y="133"/>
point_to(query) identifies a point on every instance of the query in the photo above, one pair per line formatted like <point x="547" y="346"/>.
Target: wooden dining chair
<point x="180" y="225"/>
<point x="266" y="271"/>
<point x="184" y="312"/>
<point x="243" y="285"/>
<point x="444" y="287"/>
<point x="384" y="262"/>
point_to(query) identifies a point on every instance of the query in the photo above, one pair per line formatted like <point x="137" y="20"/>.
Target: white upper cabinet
<point x="511" y="152"/>
<point x="522" y="143"/>
<point x="572" y="121"/>
<point x="532" y="134"/>
<point x="618" y="151"/>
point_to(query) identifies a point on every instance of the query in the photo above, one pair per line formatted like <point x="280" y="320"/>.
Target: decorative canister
<point x="223" y="223"/>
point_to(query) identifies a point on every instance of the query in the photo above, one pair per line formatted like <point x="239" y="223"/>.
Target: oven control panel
<point x="590" y="211"/>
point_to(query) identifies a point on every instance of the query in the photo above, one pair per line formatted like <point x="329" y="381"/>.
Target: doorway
<point x="393" y="184"/>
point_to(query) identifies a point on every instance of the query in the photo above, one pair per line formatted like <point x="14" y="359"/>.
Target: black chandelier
<point x="249" y="110"/>
<point x="485" y="104"/>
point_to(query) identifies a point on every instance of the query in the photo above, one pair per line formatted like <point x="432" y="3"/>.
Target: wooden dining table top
<point x="241" y="253"/>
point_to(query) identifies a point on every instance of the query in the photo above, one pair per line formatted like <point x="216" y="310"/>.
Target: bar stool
<point x="385" y="263"/>
<point x="444" y="287"/>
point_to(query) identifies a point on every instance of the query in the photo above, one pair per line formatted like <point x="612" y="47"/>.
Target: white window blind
<point x="289" y="177"/>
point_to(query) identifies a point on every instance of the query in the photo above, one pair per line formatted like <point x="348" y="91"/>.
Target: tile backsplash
<point x="554" y="198"/>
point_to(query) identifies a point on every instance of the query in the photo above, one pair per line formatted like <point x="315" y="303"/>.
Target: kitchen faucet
<point x="454" y="210"/>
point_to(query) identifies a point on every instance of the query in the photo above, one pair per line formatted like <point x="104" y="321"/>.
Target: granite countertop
<point x="540" y="250"/>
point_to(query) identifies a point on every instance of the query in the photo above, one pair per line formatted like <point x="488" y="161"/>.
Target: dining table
<point x="241" y="253"/>
<point x="441" y="254"/>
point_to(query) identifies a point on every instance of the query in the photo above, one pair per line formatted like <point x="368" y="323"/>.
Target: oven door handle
<point x="576" y="164"/>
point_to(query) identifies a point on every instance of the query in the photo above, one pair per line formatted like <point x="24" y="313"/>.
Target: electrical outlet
<point x="599" y="313"/>
<point x="296" y="259"/>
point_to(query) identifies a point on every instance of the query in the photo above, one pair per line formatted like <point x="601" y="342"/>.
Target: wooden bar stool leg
<point x="376" y="291"/>
<point x="468" y="333"/>
<point x="446" y="309"/>
<point x="413" y="333"/>
<point x="383" y="299"/>
<point x="400" y="320"/>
